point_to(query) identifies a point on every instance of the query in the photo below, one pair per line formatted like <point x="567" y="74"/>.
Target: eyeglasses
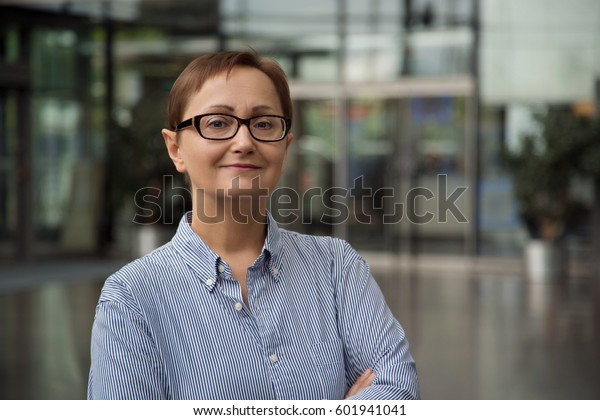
<point x="225" y="126"/>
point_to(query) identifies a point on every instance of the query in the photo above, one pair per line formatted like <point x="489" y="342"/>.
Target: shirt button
<point x="238" y="306"/>
<point x="274" y="358"/>
<point x="210" y="281"/>
<point x="274" y="271"/>
<point x="221" y="268"/>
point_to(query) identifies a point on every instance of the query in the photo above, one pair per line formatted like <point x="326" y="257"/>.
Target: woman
<point x="234" y="307"/>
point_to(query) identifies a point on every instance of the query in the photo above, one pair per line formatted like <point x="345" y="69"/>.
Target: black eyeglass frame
<point x="195" y="122"/>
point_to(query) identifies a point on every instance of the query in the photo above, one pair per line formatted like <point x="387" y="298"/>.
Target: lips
<point x="246" y="166"/>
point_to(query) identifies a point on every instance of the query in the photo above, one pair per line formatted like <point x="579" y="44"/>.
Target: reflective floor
<point x="500" y="337"/>
<point x="473" y="335"/>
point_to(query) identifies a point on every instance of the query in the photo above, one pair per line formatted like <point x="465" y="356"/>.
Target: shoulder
<point x="323" y="248"/>
<point x="151" y="264"/>
<point x="139" y="274"/>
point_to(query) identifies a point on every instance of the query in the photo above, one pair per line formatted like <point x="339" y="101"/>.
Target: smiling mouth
<point x="243" y="166"/>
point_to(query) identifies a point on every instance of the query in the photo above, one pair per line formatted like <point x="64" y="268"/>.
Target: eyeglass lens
<point x="218" y="126"/>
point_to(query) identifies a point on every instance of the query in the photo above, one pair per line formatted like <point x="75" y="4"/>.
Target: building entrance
<point x="385" y="166"/>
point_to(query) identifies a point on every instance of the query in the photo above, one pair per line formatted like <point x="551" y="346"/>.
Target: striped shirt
<point x="173" y="325"/>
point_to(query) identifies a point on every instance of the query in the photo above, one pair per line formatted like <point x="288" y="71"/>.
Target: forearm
<point x="403" y="386"/>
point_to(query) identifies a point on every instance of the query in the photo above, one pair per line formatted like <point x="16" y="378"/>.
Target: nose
<point x="243" y="142"/>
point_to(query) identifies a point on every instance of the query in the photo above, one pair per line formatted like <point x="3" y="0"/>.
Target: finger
<point x="363" y="381"/>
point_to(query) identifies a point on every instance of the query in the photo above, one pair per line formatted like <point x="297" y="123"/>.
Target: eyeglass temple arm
<point x="184" y="124"/>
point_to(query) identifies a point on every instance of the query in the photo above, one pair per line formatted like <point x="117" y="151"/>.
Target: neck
<point x="230" y="225"/>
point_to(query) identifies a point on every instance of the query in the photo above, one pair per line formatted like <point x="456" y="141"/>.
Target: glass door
<point x="384" y="166"/>
<point x="408" y="176"/>
<point x="373" y="170"/>
<point x="66" y="143"/>
<point x="441" y="196"/>
<point x="306" y="200"/>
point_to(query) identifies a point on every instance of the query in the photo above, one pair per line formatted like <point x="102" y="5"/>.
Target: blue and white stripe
<point x="172" y="325"/>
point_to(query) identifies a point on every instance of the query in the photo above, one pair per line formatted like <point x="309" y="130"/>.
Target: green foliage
<point x="543" y="168"/>
<point x="588" y="140"/>
<point x="139" y="158"/>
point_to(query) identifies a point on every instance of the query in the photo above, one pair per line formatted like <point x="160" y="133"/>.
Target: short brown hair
<point x="207" y="66"/>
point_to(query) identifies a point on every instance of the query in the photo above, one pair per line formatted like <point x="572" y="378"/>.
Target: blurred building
<point x="393" y="98"/>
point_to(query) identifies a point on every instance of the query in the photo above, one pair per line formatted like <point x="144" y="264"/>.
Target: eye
<point x="217" y="123"/>
<point x="263" y="123"/>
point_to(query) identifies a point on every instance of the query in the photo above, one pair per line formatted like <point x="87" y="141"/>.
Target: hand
<point x="362" y="382"/>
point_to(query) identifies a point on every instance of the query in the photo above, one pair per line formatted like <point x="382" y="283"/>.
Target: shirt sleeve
<point x="373" y="338"/>
<point x="124" y="361"/>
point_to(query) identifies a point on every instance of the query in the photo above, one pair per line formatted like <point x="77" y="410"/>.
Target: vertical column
<point x="107" y="217"/>
<point x="474" y="174"/>
<point x="596" y="204"/>
<point x="340" y="175"/>
<point x="25" y="222"/>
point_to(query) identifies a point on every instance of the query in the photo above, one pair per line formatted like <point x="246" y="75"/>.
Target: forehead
<point x="240" y="91"/>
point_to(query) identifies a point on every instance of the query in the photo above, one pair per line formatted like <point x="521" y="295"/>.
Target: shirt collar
<point x="205" y="262"/>
<point x="274" y="247"/>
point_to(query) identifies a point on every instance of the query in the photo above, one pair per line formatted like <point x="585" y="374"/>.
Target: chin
<point x="245" y="186"/>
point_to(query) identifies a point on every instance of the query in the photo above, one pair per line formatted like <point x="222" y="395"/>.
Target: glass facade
<point x="57" y="129"/>
<point x="355" y="40"/>
<point x="8" y="169"/>
<point x="13" y="116"/>
<point x="51" y="135"/>
<point x="402" y="110"/>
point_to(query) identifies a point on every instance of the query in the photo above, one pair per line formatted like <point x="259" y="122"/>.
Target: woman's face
<point x="241" y="166"/>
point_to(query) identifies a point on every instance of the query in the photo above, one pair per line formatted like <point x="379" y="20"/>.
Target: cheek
<point x="278" y="156"/>
<point x="283" y="158"/>
<point x="277" y="164"/>
<point x="278" y="168"/>
<point x="198" y="158"/>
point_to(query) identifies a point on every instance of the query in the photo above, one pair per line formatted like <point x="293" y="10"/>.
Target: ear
<point x="173" y="149"/>
<point x="289" y="140"/>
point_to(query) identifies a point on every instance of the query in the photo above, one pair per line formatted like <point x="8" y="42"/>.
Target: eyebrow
<point x="229" y="108"/>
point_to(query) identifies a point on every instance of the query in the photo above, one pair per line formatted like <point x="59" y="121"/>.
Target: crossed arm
<point x="378" y="361"/>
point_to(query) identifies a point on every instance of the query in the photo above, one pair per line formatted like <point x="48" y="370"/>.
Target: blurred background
<point x="491" y="105"/>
